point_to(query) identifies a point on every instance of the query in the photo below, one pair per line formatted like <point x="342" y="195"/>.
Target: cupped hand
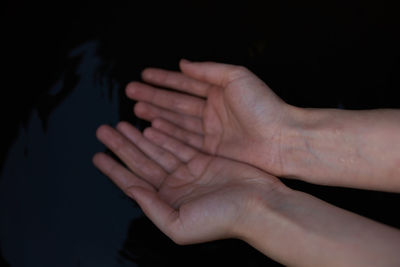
<point x="192" y="197"/>
<point x="220" y="109"/>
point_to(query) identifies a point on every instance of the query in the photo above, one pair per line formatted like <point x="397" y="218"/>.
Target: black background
<point x="311" y="53"/>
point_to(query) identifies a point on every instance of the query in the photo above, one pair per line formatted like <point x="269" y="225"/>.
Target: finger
<point x="150" y="112"/>
<point x="177" y="102"/>
<point x="165" y="159"/>
<point x="184" y="152"/>
<point x="175" y="80"/>
<point x="211" y="72"/>
<point x="159" y="212"/>
<point x="176" y="132"/>
<point x="131" y="155"/>
<point x="123" y="178"/>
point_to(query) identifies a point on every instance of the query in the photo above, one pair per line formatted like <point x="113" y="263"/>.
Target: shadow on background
<point x="330" y="54"/>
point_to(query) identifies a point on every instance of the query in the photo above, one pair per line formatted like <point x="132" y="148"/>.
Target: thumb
<point x="215" y="73"/>
<point x="159" y="212"/>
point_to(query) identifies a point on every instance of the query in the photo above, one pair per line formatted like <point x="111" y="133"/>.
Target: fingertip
<point x="139" y="109"/>
<point x="156" y="123"/>
<point x="149" y="133"/>
<point x="131" y="89"/>
<point x="146" y="74"/>
<point x="102" y="131"/>
<point x="183" y="62"/>
<point x="127" y="89"/>
<point x="122" y="125"/>
<point x="97" y="158"/>
<point x="129" y="131"/>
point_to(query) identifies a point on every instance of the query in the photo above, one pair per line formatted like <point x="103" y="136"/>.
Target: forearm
<point x="344" y="148"/>
<point x="300" y="230"/>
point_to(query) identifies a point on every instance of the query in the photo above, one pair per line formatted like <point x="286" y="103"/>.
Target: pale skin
<point x="178" y="176"/>
<point x="226" y="110"/>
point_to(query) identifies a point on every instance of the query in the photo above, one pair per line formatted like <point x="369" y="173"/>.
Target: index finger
<point x="176" y="80"/>
<point x="177" y="102"/>
<point x="135" y="159"/>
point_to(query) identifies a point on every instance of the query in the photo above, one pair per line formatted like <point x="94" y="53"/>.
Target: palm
<point x="190" y="180"/>
<point x="233" y="122"/>
<point x="209" y="195"/>
<point x="235" y="114"/>
<point x="191" y="196"/>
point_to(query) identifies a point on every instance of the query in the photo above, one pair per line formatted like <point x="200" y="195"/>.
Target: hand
<point x="192" y="197"/>
<point x="223" y="110"/>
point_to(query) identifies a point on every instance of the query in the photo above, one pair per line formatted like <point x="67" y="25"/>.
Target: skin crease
<point x="226" y="110"/>
<point x="231" y="124"/>
<point x="191" y="174"/>
<point x="205" y="197"/>
<point x="194" y="197"/>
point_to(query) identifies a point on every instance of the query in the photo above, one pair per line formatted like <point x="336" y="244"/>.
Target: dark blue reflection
<point x="56" y="208"/>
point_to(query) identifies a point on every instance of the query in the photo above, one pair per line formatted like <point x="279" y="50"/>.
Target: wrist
<point x="311" y="138"/>
<point x="274" y="227"/>
<point x="297" y="229"/>
<point x="293" y="146"/>
<point x="262" y="225"/>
